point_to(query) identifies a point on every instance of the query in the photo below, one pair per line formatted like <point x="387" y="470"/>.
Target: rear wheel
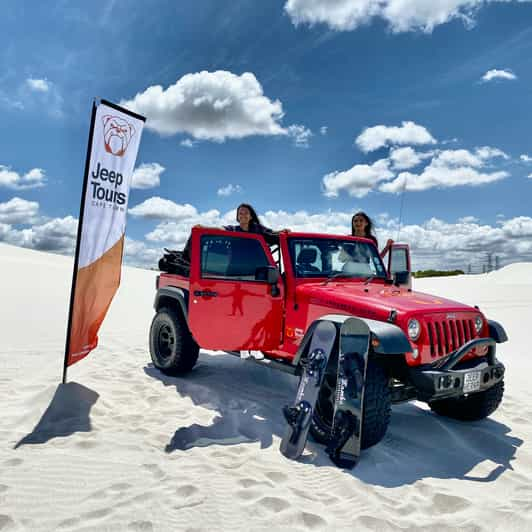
<point x="473" y="407"/>
<point x="377" y="407"/>
<point x="172" y="348"/>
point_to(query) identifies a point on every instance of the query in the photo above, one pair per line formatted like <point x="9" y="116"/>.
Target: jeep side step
<point x="270" y="363"/>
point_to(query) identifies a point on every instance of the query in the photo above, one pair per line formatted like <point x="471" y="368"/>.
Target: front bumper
<point x="442" y="381"/>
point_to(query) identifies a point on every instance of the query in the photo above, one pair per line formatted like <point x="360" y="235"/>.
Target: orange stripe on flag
<point x="96" y="284"/>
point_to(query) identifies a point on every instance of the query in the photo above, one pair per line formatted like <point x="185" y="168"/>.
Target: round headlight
<point x="478" y="324"/>
<point x="414" y="329"/>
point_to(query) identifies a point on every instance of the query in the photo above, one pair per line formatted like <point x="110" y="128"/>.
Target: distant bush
<point x="437" y="273"/>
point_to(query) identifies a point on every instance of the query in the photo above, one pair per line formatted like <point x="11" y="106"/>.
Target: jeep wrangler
<point x="240" y="294"/>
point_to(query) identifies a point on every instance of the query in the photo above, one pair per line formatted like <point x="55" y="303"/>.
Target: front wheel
<point x="376" y="413"/>
<point x="172" y="348"/>
<point x="472" y="407"/>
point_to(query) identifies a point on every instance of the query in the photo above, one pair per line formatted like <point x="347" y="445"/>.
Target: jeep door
<point x="229" y="307"/>
<point x="399" y="265"/>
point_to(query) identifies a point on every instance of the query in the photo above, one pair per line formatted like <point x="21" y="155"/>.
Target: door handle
<point x="205" y="293"/>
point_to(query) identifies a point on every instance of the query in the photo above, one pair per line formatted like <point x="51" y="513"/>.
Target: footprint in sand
<point x="313" y="521"/>
<point x="248" y="494"/>
<point x="6" y="523"/>
<point x="69" y="523"/>
<point x="448" y="504"/>
<point x="120" y="486"/>
<point x="13" y="462"/>
<point x="140" y="526"/>
<point x="155" y="470"/>
<point x="86" y="444"/>
<point x="249" y="482"/>
<point x="97" y="514"/>
<point x="276" y="476"/>
<point x="273" y="504"/>
<point x="187" y="490"/>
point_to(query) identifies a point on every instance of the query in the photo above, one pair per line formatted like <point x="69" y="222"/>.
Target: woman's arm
<point x="386" y="248"/>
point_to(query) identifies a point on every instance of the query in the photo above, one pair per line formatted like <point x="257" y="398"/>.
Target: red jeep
<point x="242" y="294"/>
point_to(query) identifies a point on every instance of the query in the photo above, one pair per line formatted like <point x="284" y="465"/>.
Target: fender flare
<point x="177" y="294"/>
<point x="497" y="331"/>
<point x="392" y="340"/>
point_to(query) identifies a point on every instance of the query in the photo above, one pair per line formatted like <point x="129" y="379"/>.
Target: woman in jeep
<point x="248" y="222"/>
<point x="362" y="225"/>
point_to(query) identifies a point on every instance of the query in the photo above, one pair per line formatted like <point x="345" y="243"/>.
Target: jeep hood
<point x="356" y="297"/>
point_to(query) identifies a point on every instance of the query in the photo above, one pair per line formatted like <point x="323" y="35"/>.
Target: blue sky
<point x="308" y="109"/>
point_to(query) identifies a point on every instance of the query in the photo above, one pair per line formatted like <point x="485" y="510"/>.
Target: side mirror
<point x="401" y="278"/>
<point x="268" y="274"/>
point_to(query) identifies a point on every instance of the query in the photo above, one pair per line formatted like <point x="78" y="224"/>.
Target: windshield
<point x="328" y="257"/>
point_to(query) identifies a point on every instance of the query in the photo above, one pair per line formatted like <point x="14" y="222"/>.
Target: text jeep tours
<point x="239" y="294"/>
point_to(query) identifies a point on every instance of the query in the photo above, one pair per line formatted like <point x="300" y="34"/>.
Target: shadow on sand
<point x="68" y="412"/>
<point x="419" y="444"/>
<point x="246" y="398"/>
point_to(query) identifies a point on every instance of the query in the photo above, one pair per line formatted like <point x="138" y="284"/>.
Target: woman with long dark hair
<point x="362" y="225"/>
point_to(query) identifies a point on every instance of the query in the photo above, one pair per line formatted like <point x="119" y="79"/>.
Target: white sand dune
<point x="122" y="447"/>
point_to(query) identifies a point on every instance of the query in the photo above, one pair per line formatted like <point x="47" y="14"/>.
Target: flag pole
<point x="78" y="240"/>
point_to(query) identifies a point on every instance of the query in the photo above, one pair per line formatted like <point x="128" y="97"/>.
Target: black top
<point x="269" y="235"/>
<point x="371" y="237"/>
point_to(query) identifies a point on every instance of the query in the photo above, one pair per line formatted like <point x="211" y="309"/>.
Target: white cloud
<point x="137" y="253"/>
<point x="229" y="190"/>
<point x="300" y="134"/>
<point x="498" y="74"/>
<point x="175" y="233"/>
<point x="210" y="106"/>
<point x="435" y="243"/>
<point x="442" y="245"/>
<point x="487" y="152"/>
<point x="188" y="143"/>
<point x="519" y="227"/>
<point x="529" y="176"/>
<point x="406" y="158"/>
<point x="358" y="181"/>
<point x="454" y="158"/>
<point x="147" y="175"/>
<point x="38" y="85"/>
<point x="324" y="129"/>
<point x="18" y="211"/>
<point x="333" y="222"/>
<point x="525" y="158"/>
<point x="162" y="209"/>
<point x="57" y="235"/>
<point x="447" y="168"/>
<point x="442" y="177"/>
<point x="373" y="138"/>
<point x="400" y="15"/>
<point x="10" y="179"/>
<point x="468" y="220"/>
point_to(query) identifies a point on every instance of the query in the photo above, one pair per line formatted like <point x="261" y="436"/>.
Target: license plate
<point x="472" y="381"/>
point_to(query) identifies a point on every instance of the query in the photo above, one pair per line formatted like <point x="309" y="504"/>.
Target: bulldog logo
<point x="117" y="134"/>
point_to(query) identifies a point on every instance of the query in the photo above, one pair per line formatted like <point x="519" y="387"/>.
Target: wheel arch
<point x="174" y="297"/>
<point x="497" y="331"/>
<point x="391" y="339"/>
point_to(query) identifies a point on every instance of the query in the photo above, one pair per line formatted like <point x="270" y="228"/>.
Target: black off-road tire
<point x="473" y="407"/>
<point x="172" y="348"/>
<point x="377" y="407"/>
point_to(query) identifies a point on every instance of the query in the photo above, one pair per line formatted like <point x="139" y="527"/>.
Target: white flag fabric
<point x="113" y="147"/>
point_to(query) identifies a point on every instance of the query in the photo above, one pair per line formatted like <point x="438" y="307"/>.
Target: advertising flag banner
<point x="113" y="145"/>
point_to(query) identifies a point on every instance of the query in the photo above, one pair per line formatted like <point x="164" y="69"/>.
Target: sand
<point x="122" y="447"/>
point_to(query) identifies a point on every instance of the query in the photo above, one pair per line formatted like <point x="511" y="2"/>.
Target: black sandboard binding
<point x="299" y="414"/>
<point x="344" y="446"/>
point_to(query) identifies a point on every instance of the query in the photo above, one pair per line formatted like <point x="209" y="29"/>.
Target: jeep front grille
<point x="446" y="336"/>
